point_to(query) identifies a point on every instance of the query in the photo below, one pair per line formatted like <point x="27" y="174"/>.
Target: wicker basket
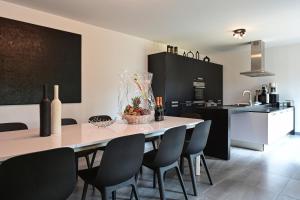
<point x="138" y="119"/>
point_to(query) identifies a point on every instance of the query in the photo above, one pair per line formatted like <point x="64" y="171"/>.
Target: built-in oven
<point x="199" y="90"/>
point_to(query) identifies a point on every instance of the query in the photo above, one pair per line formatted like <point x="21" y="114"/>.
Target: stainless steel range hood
<point x="257" y="60"/>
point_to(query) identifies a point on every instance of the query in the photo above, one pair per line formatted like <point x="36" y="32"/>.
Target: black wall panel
<point x="31" y="55"/>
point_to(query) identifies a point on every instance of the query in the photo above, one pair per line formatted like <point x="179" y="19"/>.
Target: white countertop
<point x="13" y="143"/>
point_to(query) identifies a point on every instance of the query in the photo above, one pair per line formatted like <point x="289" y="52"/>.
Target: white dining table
<point x="82" y="136"/>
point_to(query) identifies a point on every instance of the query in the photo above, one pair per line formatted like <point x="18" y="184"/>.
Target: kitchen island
<point x="260" y="127"/>
<point x="249" y="127"/>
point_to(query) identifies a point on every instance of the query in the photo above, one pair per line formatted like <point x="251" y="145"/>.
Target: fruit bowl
<point x="102" y="123"/>
<point x="138" y="119"/>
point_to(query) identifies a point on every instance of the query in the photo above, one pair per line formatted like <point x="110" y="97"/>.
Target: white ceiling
<point x="204" y="25"/>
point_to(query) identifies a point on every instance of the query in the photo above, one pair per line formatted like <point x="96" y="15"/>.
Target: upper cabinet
<point x="173" y="77"/>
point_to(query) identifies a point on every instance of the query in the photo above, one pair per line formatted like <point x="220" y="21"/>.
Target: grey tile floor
<point x="250" y="175"/>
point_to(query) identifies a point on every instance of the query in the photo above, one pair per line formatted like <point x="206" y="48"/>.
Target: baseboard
<point x="247" y="145"/>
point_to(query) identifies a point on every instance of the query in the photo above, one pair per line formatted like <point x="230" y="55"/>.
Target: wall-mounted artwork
<point x="32" y="55"/>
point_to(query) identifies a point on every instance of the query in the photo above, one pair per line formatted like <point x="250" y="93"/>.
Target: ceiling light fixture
<point x="239" y="33"/>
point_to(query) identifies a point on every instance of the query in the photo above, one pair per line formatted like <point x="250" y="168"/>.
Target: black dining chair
<point x="107" y="118"/>
<point x="80" y="154"/>
<point x="153" y="142"/>
<point x="194" y="147"/>
<point x="68" y="121"/>
<point x="166" y="157"/>
<point x="46" y="175"/>
<point x="13" y="126"/>
<point x="120" y="163"/>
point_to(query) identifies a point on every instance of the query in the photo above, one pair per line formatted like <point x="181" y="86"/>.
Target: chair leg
<point x="141" y="170"/>
<point x="85" y="187"/>
<point x="93" y="158"/>
<point x="154" y="178"/>
<point x="181" y="182"/>
<point x="114" y="195"/>
<point x="153" y="144"/>
<point x="90" y="164"/>
<point x="87" y="159"/>
<point x="134" y="191"/>
<point x="136" y="177"/>
<point x="206" y="169"/>
<point x="192" y="173"/>
<point x="104" y="195"/>
<point x="161" y="185"/>
<point x="182" y="164"/>
<point x="76" y="164"/>
<point x="134" y="186"/>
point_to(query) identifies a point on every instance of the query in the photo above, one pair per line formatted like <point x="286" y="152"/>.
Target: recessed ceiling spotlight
<point x="239" y="33"/>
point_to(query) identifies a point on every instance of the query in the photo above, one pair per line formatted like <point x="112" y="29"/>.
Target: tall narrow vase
<point x="45" y="114"/>
<point x="56" y="113"/>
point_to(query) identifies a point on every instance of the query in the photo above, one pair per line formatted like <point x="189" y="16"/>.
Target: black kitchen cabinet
<point x="219" y="140"/>
<point x="173" y="77"/>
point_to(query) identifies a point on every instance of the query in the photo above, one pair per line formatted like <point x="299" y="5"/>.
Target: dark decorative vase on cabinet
<point x="45" y="114"/>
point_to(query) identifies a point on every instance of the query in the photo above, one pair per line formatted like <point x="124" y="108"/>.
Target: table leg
<point x="198" y="165"/>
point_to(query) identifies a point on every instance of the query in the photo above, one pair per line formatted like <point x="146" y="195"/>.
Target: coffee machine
<point x="273" y="96"/>
<point x="264" y="97"/>
<point x="273" y="88"/>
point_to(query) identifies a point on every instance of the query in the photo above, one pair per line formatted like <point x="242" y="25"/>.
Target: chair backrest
<point x="170" y="147"/>
<point x="68" y="121"/>
<point x="14" y="126"/>
<point x="192" y="115"/>
<point x="100" y="118"/>
<point x="47" y="175"/>
<point x="121" y="160"/>
<point x="199" y="138"/>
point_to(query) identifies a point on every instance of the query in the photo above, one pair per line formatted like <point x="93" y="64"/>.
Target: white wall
<point x="105" y="54"/>
<point x="284" y="61"/>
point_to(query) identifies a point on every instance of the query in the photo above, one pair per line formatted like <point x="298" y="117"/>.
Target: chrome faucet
<point x="250" y="96"/>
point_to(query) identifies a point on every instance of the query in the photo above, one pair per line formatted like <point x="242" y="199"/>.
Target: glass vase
<point x="136" y="100"/>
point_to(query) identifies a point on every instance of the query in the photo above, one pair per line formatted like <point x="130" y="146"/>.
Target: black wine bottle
<point x="156" y="111"/>
<point x="162" y="113"/>
<point x="45" y="114"/>
<point x="159" y="111"/>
